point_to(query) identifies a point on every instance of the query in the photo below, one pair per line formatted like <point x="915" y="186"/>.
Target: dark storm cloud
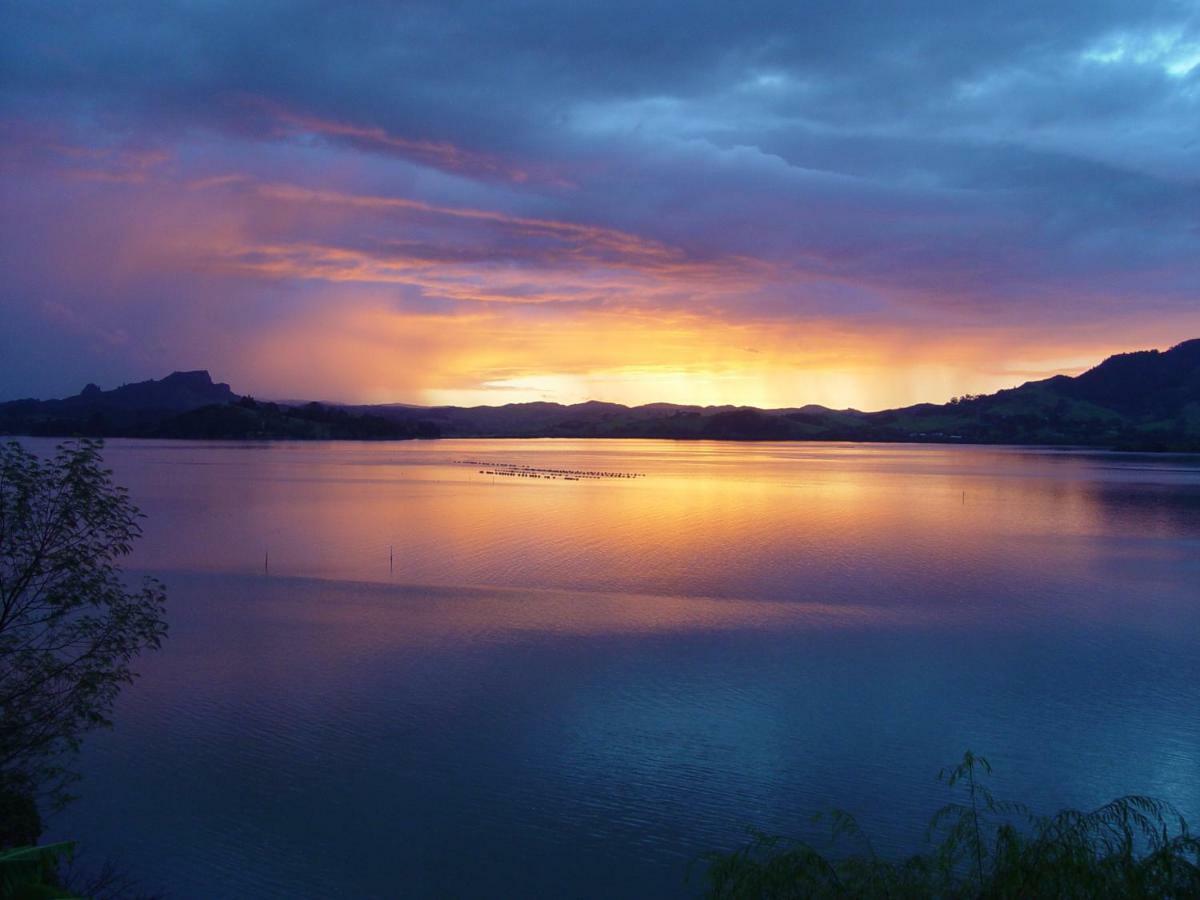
<point x="519" y="72"/>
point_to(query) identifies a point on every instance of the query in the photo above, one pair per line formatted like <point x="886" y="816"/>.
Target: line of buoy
<point x="521" y="470"/>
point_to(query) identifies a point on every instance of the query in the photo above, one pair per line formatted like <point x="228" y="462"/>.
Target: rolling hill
<point x="1147" y="400"/>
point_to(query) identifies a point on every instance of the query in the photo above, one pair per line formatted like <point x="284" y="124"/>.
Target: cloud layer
<point x="847" y="203"/>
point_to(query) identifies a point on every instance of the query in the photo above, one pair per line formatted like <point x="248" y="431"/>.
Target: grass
<point x="980" y="847"/>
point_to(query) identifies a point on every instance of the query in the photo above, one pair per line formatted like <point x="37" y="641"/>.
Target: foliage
<point x="70" y="626"/>
<point x="30" y="873"/>
<point x="51" y="872"/>
<point x="20" y="820"/>
<point x="981" y="848"/>
<point x="250" y="419"/>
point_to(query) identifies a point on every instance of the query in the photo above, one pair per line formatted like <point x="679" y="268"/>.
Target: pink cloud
<point x="439" y="154"/>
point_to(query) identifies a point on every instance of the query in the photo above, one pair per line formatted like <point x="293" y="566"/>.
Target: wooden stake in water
<point x="391" y="568"/>
<point x="266" y="562"/>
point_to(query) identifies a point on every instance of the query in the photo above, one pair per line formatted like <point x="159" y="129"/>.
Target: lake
<point x="391" y="673"/>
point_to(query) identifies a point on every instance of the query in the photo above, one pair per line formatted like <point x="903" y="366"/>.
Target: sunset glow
<point x="745" y="219"/>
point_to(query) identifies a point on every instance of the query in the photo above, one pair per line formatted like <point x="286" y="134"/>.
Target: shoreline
<point x="964" y="442"/>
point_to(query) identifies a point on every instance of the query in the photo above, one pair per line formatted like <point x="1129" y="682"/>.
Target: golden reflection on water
<point x="870" y="526"/>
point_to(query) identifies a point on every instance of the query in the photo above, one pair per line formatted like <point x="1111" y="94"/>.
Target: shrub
<point x="981" y="847"/>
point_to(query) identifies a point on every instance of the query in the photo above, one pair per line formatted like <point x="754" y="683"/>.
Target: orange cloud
<point x="590" y="239"/>
<point x="466" y="254"/>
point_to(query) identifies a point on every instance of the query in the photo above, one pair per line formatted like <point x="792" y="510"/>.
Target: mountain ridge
<point x="1145" y="400"/>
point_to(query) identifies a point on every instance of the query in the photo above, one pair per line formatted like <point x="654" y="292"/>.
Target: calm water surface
<point x="570" y="688"/>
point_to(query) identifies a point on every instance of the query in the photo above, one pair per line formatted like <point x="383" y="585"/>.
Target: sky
<point x="768" y="203"/>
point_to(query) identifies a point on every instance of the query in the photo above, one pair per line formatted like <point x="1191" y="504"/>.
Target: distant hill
<point x="1139" y="401"/>
<point x="190" y="405"/>
<point x="1148" y="400"/>
<point x="249" y="419"/>
<point x="124" y="410"/>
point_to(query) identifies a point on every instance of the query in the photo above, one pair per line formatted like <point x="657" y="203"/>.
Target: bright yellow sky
<point x="378" y="355"/>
